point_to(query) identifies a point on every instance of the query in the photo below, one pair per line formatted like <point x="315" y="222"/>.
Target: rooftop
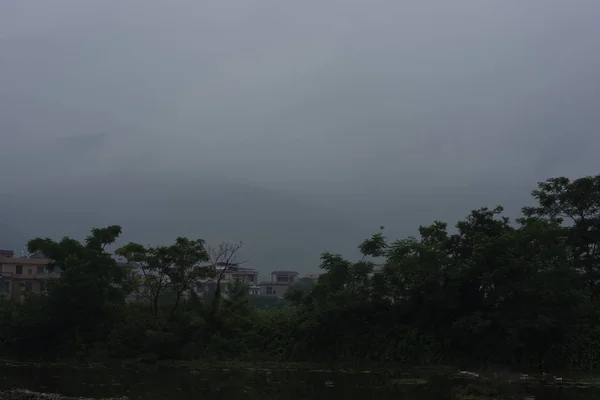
<point x="244" y="272"/>
<point x="225" y="264"/>
<point x="6" y="253"/>
<point x="24" y="261"/>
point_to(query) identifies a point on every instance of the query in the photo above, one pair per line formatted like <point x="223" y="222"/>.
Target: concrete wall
<point x="24" y="275"/>
<point x="19" y="286"/>
<point x="23" y="267"/>
<point x="276" y="289"/>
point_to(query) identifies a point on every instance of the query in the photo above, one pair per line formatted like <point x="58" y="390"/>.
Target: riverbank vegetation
<point x="521" y="292"/>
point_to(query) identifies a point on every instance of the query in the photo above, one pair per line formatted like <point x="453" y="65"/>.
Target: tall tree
<point x="91" y="288"/>
<point x="576" y="204"/>
<point x="220" y="259"/>
<point x="154" y="263"/>
<point x="189" y="258"/>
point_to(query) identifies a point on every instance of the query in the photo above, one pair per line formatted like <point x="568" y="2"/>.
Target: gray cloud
<point x="389" y="113"/>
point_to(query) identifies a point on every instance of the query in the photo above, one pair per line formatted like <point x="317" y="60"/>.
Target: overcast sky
<point x="356" y="99"/>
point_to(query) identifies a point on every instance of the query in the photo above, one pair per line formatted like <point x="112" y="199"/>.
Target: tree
<point x="91" y="289"/>
<point x="375" y="246"/>
<point x="345" y="280"/>
<point x="188" y="258"/>
<point x="576" y="205"/>
<point x="298" y="292"/>
<point x="176" y="267"/>
<point x="220" y="258"/>
<point x="155" y="264"/>
<point x="238" y="298"/>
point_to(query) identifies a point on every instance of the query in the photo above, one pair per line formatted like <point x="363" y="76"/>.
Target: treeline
<point x="492" y="291"/>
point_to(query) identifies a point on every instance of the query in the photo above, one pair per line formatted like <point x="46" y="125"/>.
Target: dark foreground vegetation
<point x="520" y="293"/>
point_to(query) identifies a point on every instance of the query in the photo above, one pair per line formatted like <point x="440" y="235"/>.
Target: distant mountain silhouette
<point x="278" y="231"/>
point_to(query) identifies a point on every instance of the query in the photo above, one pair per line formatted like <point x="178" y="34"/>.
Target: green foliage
<point x="165" y="269"/>
<point x="91" y="291"/>
<point x="153" y="264"/>
<point x="298" y="293"/>
<point x="522" y="292"/>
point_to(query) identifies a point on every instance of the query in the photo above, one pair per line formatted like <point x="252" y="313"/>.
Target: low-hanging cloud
<point x="359" y="106"/>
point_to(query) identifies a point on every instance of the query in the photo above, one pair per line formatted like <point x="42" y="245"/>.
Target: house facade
<point x="19" y="275"/>
<point x="206" y="287"/>
<point x="22" y="275"/>
<point x="279" y="283"/>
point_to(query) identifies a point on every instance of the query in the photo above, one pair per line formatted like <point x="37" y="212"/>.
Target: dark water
<point x="250" y="384"/>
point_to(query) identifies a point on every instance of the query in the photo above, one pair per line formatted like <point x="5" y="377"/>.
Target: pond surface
<point x="255" y="383"/>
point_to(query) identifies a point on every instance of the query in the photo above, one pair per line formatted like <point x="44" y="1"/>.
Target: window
<point x="269" y="290"/>
<point x="40" y="269"/>
<point x="274" y="292"/>
<point x="30" y="271"/>
<point x="4" y="286"/>
<point x="283" y="279"/>
<point x="19" y="269"/>
<point x="28" y="286"/>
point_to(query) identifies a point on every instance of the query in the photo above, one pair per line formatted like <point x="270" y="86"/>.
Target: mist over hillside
<point x="278" y="231"/>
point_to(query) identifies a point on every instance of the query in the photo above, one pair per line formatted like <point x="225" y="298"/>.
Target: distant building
<point x="312" y="277"/>
<point x="207" y="286"/>
<point x="19" y="276"/>
<point x="248" y="276"/>
<point x="37" y="255"/>
<point x="6" y="253"/>
<point x="233" y="272"/>
<point x="288" y="277"/>
<point x="279" y="284"/>
<point x="378" y="268"/>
